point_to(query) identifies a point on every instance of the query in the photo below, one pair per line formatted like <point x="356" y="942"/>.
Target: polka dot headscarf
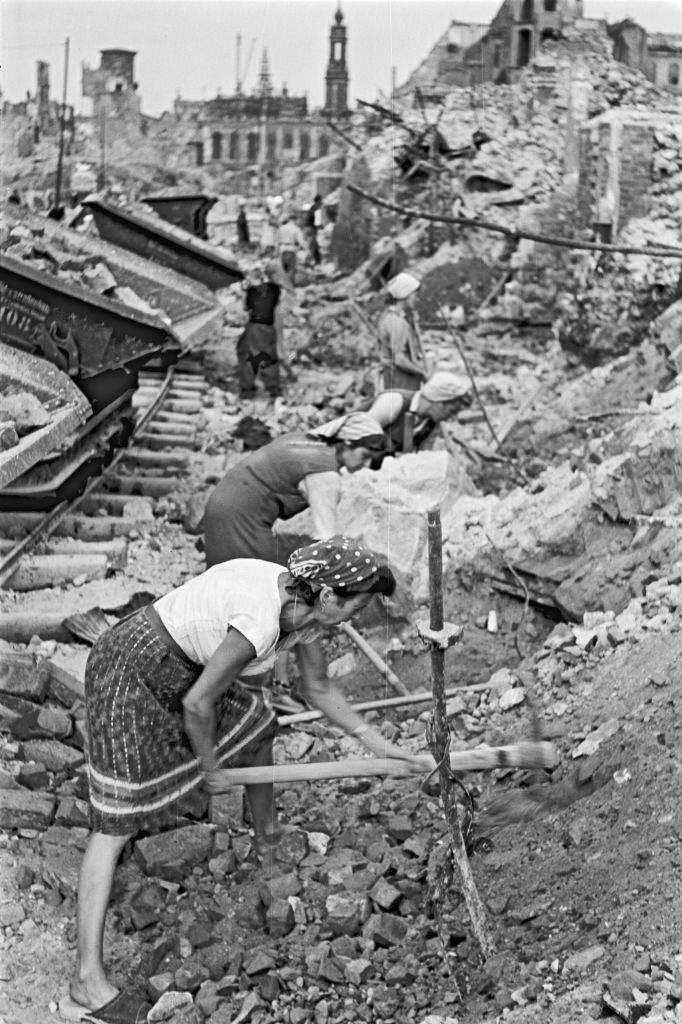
<point x="340" y="562"/>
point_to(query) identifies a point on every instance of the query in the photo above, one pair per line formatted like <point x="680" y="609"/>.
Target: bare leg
<point x="261" y="797"/>
<point x="89" y="985"/>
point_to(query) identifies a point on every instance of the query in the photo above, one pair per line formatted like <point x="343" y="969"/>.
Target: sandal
<point x="124" y="1008"/>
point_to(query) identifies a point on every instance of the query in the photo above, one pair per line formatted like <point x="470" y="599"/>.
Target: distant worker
<point x="402" y="366"/>
<point x="243" y="235"/>
<point x="258" y="347"/>
<point x="290" y="241"/>
<point x="269" y="242"/>
<point x="410" y="417"/>
<point x="315" y="223"/>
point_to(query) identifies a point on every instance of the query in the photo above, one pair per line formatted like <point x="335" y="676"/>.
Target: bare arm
<point x="322" y="491"/>
<point x="324" y="695"/>
<point x="386" y="408"/>
<point x="234" y="653"/>
<point x="394" y="334"/>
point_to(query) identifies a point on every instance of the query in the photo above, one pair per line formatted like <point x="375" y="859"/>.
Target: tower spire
<point x="336" y="103"/>
<point x="264" y="78"/>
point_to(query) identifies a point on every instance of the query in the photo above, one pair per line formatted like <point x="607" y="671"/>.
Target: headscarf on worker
<point x="339" y="562"/>
<point x="403" y="285"/>
<point x="355" y="429"/>
<point x="444" y="386"/>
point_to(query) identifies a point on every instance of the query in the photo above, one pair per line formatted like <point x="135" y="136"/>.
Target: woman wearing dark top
<point x="293" y="472"/>
<point x="257" y="346"/>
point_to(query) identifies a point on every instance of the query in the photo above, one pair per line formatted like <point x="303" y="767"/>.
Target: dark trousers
<point x="314" y="247"/>
<point x="288" y="258"/>
<point x="257" y="356"/>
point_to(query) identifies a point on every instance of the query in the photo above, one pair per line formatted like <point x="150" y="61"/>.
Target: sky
<point x="189" y="46"/>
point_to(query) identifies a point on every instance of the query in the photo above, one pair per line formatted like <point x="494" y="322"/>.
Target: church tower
<point x="336" y="104"/>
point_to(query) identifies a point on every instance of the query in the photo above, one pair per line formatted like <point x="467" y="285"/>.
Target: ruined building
<point x="267" y="129"/>
<point x="658" y="55"/>
<point x="471" y="53"/>
<point x="112" y="91"/>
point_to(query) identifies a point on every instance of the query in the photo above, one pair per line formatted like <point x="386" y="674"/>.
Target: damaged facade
<point x="266" y="128"/>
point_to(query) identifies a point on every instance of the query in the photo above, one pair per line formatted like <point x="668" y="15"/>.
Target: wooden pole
<point x="422" y="697"/>
<point x="369" y="652"/>
<point x="62" y="119"/>
<point x="521" y="755"/>
<point x="439" y="741"/>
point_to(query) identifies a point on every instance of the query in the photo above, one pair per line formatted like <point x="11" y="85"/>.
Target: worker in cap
<point x="402" y="362"/>
<point x="411" y="417"/>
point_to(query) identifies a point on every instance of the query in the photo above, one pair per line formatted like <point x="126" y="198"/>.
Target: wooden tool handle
<point x="519" y="755"/>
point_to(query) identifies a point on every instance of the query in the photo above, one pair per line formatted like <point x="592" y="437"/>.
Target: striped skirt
<point x="140" y="763"/>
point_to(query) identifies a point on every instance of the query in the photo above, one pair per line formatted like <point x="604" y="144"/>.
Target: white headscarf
<point x="444" y="386"/>
<point x="355" y="427"/>
<point x="402" y="285"/>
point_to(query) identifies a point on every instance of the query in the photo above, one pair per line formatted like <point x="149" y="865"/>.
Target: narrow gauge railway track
<point x="167" y="406"/>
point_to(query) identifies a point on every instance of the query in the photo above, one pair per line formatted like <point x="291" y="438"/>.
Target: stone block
<point x="72" y="811"/>
<point x="22" y="676"/>
<point x="345" y="912"/>
<point x="56" y="756"/>
<point x="25" y="411"/>
<point x="207" y="999"/>
<point x="158" y="984"/>
<point x="279" y="918"/>
<point x="385" y="895"/>
<point x="42" y="723"/>
<point x="20" y="808"/>
<point x="387" y="929"/>
<point x="63" y="685"/>
<point x="358" y="971"/>
<point x="191" y="975"/>
<point x="33" y="776"/>
<point x="61" y="869"/>
<point x="169" y="1005"/>
<point x="11" y="913"/>
<point x="172" y="855"/>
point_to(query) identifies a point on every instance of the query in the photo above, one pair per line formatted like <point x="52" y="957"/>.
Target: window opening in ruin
<point x="673" y="74"/>
<point x="234" y="146"/>
<point x="252" y="146"/>
<point x="288" y="142"/>
<point x="199" y="149"/>
<point x="338" y="51"/>
<point x="216" y="146"/>
<point x="550" y="5"/>
<point x="527" y="10"/>
<point x="272" y="145"/>
<point x="524" y="47"/>
<point x="497" y="55"/>
<point x="548" y="33"/>
<point x="323" y="145"/>
<point x="305" y="146"/>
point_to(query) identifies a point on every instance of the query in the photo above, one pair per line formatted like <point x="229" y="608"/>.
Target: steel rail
<point x="53" y="518"/>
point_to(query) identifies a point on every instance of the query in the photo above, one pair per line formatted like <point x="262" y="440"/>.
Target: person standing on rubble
<point x="294" y="472"/>
<point x="291" y="240"/>
<point x="166" y="711"/>
<point x="315" y="223"/>
<point x="410" y="417"/>
<point x="260" y="344"/>
<point x="402" y="365"/>
<point x="243" y="235"/>
<point x="269" y="242"/>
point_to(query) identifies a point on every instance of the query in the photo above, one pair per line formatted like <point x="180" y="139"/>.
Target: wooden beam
<point x="519" y="755"/>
